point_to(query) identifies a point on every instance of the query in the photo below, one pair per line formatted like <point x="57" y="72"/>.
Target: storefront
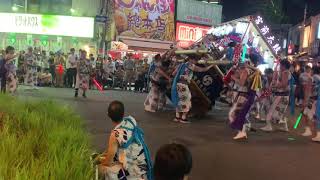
<point x="306" y="39"/>
<point x="47" y="32"/>
<point x="119" y="50"/>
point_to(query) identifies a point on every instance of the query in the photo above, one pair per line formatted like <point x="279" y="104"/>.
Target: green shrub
<point x="42" y="140"/>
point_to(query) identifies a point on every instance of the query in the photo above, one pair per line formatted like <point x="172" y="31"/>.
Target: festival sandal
<point x="176" y="119"/>
<point x="184" y="121"/>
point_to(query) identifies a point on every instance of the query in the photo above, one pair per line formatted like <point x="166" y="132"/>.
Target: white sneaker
<point x="267" y="128"/>
<point x="283" y="121"/>
<point x="307" y="132"/>
<point x="217" y="107"/>
<point x="240" y="135"/>
<point x="263" y="119"/>
<point x="317" y="138"/>
<point x="285" y="128"/>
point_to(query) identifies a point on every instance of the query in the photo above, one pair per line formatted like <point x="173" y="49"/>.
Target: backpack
<point x="138" y="137"/>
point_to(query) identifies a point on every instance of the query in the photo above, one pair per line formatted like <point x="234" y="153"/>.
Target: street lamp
<point x="14" y="8"/>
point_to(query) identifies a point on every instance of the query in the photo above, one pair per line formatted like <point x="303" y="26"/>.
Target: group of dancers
<point x="175" y="77"/>
<point x="273" y="98"/>
<point x="267" y="95"/>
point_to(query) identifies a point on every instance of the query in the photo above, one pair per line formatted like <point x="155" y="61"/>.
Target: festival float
<point x="225" y="45"/>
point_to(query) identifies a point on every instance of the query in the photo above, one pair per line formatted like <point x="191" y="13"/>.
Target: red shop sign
<point x="186" y="34"/>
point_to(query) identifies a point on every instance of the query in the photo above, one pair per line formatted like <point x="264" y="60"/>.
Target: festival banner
<point x="149" y="19"/>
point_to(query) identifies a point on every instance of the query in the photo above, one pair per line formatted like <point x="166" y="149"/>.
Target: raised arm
<point x="242" y="79"/>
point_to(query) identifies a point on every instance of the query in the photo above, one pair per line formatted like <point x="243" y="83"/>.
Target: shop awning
<point x="146" y="44"/>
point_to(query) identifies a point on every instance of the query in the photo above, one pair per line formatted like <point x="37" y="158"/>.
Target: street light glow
<point x="72" y="10"/>
<point x="15" y="8"/>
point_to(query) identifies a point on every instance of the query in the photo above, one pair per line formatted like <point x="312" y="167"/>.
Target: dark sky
<point x="294" y="9"/>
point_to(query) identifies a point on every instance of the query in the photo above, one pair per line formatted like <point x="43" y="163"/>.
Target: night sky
<point x="294" y="9"/>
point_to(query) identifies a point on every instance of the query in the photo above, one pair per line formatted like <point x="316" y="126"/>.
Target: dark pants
<point x="71" y="76"/>
<point x="3" y="83"/>
<point x="146" y="84"/>
<point x="52" y="70"/>
<point x="138" y="85"/>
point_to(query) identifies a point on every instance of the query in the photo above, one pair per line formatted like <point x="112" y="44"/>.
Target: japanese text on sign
<point x="266" y="32"/>
<point x="145" y="19"/>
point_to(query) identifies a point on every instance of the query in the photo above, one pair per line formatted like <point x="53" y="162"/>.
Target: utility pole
<point x="305" y="14"/>
<point x="106" y="3"/>
<point x="102" y="27"/>
<point x="25" y="6"/>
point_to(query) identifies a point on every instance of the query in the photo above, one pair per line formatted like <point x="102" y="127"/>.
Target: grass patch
<point x="42" y="140"/>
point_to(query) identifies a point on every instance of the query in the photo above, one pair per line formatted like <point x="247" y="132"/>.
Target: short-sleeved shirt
<point x="128" y="64"/>
<point x="72" y="61"/>
<point x="30" y="59"/>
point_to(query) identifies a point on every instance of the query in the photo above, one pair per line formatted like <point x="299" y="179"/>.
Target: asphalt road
<point x="264" y="156"/>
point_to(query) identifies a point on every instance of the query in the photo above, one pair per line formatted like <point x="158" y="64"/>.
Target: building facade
<point x="51" y="25"/>
<point x="305" y="37"/>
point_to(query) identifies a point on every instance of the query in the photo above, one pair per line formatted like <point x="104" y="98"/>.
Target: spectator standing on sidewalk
<point x="52" y="68"/>
<point x="59" y="62"/>
<point x="72" y="68"/>
<point x="129" y="68"/>
<point x="31" y="68"/>
<point x="11" y="69"/>
<point x="145" y="73"/>
<point x="3" y="72"/>
<point x="8" y="70"/>
<point x="139" y="77"/>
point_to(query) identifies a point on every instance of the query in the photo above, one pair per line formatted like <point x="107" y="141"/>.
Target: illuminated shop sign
<point x="266" y="32"/>
<point x="198" y="12"/>
<point x="187" y="34"/>
<point x="306" y="37"/>
<point x="47" y="24"/>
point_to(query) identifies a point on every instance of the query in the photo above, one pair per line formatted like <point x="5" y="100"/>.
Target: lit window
<point x="306" y="37"/>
